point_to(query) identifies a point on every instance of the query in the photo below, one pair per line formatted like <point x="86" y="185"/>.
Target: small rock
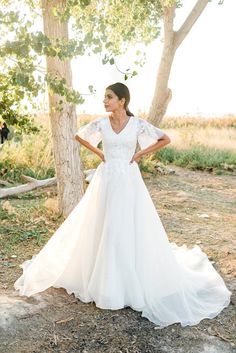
<point x="204" y="215"/>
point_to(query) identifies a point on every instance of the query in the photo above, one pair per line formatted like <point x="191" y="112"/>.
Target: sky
<point x="203" y="75"/>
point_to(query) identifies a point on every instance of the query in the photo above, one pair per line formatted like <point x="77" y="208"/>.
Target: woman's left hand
<point x="136" y="157"/>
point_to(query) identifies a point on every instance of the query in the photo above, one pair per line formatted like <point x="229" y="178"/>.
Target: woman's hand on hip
<point x="101" y="155"/>
<point x="136" y="157"/>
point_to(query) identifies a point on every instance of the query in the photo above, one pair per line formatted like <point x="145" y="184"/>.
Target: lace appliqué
<point x="91" y="132"/>
<point x="148" y="134"/>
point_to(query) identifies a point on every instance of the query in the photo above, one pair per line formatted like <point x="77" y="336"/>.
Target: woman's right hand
<point x="101" y="155"/>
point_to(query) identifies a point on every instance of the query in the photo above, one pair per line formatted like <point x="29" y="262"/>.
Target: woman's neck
<point x="119" y="116"/>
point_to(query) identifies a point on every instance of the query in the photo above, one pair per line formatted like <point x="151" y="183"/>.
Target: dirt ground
<point x="196" y="208"/>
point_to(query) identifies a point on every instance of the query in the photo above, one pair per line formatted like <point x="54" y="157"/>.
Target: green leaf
<point x="112" y="61"/>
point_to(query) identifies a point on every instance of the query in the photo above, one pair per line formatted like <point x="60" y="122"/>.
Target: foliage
<point x="32" y="156"/>
<point x="11" y="107"/>
<point x="110" y="26"/>
<point x="199" y="158"/>
<point x="21" y="55"/>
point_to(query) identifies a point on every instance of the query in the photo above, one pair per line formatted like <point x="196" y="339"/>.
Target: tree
<point x="20" y="60"/>
<point x="172" y="41"/>
<point x="141" y="23"/>
<point x="63" y="121"/>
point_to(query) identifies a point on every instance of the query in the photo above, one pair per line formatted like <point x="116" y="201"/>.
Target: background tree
<point x="63" y="120"/>
<point x="131" y="22"/>
<point x="172" y="41"/>
<point x="22" y="53"/>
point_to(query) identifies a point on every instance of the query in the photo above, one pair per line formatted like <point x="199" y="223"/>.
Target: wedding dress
<point x="113" y="250"/>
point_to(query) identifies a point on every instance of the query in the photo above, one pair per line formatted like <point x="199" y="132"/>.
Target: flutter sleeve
<point x="91" y="132"/>
<point x="148" y="133"/>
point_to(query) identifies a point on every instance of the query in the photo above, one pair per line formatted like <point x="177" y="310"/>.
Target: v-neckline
<point x="118" y="133"/>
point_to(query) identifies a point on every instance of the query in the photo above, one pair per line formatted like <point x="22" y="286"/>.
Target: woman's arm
<point x="95" y="150"/>
<point x="163" y="141"/>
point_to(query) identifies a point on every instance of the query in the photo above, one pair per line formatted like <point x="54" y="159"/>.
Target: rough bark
<point x="172" y="40"/>
<point x="63" y="124"/>
<point x="32" y="184"/>
<point x="162" y="94"/>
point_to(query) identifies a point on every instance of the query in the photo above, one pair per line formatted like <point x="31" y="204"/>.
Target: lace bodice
<point x="122" y="145"/>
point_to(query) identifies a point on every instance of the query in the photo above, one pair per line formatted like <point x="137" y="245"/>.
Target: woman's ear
<point x="122" y="101"/>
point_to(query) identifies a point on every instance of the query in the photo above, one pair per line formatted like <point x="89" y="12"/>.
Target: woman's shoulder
<point x="100" y="120"/>
<point x="136" y="119"/>
<point x="140" y="122"/>
<point x="97" y="122"/>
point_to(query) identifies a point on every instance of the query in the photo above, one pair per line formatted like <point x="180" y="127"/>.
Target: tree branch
<point x="189" y="22"/>
<point x="31" y="184"/>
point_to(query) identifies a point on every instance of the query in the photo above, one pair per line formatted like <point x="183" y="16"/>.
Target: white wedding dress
<point x="113" y="250"/>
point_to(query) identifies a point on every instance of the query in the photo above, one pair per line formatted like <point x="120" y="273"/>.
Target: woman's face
<point x="112" y="102"/>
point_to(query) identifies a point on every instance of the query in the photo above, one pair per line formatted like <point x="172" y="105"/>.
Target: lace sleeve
<point x="148" y="133"/>
<point x="91" y="132"/>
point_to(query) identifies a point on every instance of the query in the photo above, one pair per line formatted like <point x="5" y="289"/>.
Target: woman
<point x="113" y="249"/>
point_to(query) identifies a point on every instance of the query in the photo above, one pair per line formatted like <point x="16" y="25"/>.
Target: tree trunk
<point x="172" y="40"/>
<point x="64" y="123"/>
<point x="162" y="94"/>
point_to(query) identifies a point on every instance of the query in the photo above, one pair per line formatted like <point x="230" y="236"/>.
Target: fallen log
<point x="4" y="182"/>
<point x="31" y="184"/>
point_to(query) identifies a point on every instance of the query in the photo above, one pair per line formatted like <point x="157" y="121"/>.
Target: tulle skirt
<point x="113" y="250"/>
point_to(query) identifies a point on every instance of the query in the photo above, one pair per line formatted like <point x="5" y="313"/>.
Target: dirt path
<point x="195" y="208"/>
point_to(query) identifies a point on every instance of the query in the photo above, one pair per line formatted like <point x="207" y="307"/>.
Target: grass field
<point x="196" y="143"/>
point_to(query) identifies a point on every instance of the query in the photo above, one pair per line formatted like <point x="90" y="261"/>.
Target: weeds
<point x="31" y="156"/>
<point x="24" y="221"/>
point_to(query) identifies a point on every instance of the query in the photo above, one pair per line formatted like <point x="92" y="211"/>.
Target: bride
<point x="112" y="249"/>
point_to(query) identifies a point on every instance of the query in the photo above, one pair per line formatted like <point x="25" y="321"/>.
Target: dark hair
<point x="4" y="124"/>
<point x="121" y="91"/>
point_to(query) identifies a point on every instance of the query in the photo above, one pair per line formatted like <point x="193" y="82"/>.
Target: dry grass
<point x="186" y="132"/>
<point x="222" y="139"/>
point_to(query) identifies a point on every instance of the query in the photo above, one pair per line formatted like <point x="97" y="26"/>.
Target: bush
<point x="198" y="158"/>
